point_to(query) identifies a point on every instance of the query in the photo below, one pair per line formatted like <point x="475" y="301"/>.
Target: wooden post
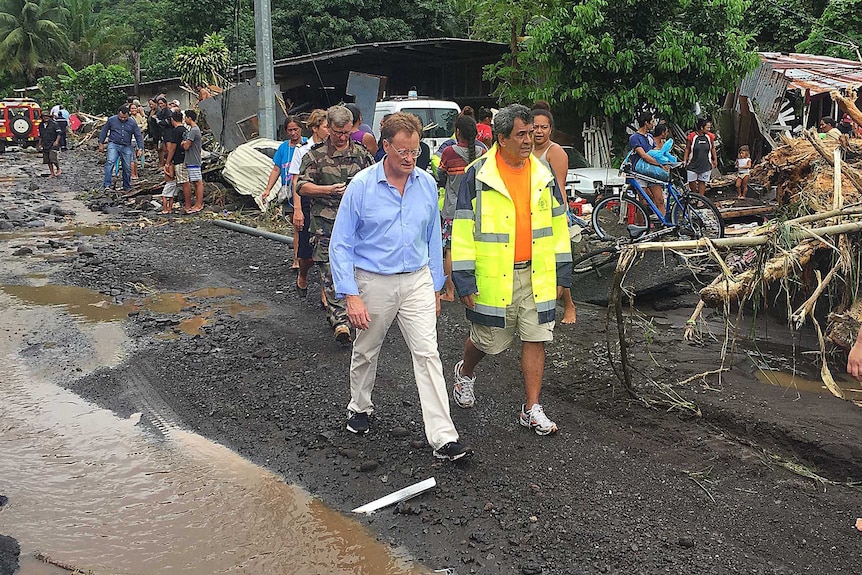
<point x="837" y="198"/>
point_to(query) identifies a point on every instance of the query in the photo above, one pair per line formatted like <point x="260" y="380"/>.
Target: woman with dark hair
<point x="483" y="124"/>
<point x="700" y="157"/>
<point x="453" y="165"/>
<point x="280" y="173"/>
<point x="366" y="138"/>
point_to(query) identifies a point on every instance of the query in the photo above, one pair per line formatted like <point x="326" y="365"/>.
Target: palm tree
<point x="34" y="36"/>
<point x="93" y="37"/>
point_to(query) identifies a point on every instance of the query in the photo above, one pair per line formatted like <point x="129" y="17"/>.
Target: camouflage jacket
<point x="324" y="165"/>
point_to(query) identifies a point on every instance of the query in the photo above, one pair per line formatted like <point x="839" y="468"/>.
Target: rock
<point x="6" y="225"/>
<point x="33" y="186"/>
<point x="531" y="567"/>
<point x="405" y="508"/>
<point x="86" y="250"/>
<point x="369" y="465"/>
<point x="3" y="500"/>
<point x="262" y="353"/>
<point x="16" y="215"/>
<point x="349" y="452"/>
<point x="22" y="252"/>
<point x="35" y="224"/>
<point x="9" y="553"/>
<point x="417" y="444"/>
<point x="687" y="542"/>
<point x="112" y="210"/>
<point x="400" y="431"/>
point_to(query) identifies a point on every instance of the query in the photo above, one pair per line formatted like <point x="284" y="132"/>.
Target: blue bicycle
<point x="624" y="219"/>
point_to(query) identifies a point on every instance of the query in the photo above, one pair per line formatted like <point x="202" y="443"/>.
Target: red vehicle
<point x="19" y="122"/>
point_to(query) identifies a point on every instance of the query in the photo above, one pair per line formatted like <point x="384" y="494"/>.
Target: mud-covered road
<point x="236" y="355"/>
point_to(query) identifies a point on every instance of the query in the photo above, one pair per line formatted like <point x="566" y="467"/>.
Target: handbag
<point x="644" y="168"/>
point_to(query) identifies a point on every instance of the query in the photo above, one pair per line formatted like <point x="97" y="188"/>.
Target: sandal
<point x="302" y="291"/>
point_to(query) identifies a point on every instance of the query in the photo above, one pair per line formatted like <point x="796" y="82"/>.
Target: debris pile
<point x="812" y="251"/>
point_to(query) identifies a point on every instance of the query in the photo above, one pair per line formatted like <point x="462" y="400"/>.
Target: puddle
<point x="82" y="303"/>
<point x="851" y="387"/>
<point x="166" y="302"/>
<point x="192" y="325"/>
<point x="98" y="492"/>
<point x="60" y="232"/>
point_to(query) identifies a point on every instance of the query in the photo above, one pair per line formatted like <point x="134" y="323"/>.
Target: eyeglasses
<point x="339" y="133"/>
<point x="403" y="153"/>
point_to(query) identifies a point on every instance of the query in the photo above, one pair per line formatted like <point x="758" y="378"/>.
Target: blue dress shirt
<point x="380" y="231"/>
<point x="116" y="131"/>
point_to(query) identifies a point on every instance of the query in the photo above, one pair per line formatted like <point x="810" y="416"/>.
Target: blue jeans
<point x="124" y="153"/>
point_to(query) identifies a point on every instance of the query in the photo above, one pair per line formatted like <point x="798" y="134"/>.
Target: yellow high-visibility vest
<point x="483" y="241"/>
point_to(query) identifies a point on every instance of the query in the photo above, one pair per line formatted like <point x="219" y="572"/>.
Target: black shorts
<point x="304" y="251"/>
<point x="50" y="157"/>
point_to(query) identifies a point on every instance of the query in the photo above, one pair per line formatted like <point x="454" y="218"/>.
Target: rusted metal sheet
<point x="764" y="87"/>
<point x="817" y="74"/>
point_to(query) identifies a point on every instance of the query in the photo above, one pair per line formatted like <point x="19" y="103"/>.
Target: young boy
<point x="49" y="142"/>
<point x="193" y="146"/>
<point x="175" y="156"/>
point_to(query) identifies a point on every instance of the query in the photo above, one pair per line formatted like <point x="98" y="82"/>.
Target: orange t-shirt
<point x="518" y="184"/>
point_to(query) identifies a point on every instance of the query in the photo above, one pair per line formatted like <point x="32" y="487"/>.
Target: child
<point x="743" y="167"/>
<point x="663" y="146"/>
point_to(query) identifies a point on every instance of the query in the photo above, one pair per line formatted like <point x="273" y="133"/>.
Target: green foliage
<point x="91" y="88"/>
<point x="33" y="36"/>
<point x="610" y="57"/>
<point x="841" y="22"/>
<point x="496" y="20"/>
<point x="780" y="26"/>
<point x="162" y="26"/>
<point x="202" y="65"/>
<point x="93" y="37"/>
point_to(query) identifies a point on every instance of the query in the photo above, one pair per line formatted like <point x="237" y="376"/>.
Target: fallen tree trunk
<point x="776" y="268"/>
<point x="848" y="103"/>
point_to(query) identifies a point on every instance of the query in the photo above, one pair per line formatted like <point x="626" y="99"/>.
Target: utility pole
<point x="265" y="73"/>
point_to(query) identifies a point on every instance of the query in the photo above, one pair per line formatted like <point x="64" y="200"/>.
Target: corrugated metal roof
<point x="817" y="74"/>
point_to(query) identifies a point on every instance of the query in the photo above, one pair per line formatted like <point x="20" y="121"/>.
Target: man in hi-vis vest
<point x="511" y="259"/>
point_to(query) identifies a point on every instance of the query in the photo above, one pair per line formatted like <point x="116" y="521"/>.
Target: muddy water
<point x="96" y="491"/>
<point x="851" y="387"/>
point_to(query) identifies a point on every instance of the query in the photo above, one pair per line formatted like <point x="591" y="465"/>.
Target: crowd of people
<point x="172" y="133"/>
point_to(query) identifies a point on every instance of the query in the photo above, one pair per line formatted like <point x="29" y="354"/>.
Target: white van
<point x="437" y="116"/>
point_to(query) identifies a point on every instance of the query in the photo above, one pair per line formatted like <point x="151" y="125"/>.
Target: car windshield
<point x="443" y="120"/>
<point x="576" y="159"/>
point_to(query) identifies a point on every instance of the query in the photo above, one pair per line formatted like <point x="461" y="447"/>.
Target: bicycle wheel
<point x="594" y="260"/>
<point x="618" y="219"/>
<point x="697" y="217"/>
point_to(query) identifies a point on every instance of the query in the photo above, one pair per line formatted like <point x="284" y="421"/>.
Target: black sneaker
<point x="358" y="423"/>
<point x="453" y="451"/>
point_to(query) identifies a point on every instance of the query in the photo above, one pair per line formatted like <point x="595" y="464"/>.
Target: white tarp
<point x="248" y="167"/>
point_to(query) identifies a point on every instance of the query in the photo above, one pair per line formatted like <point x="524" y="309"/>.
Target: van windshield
<point x="441" y="121"/>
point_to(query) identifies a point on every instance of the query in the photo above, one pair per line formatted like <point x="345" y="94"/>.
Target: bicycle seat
<point x="636" y="230"/>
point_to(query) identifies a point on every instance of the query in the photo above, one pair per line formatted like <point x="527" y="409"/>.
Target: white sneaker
<point x="462" y="391"/>
<point x="537" y="420"/>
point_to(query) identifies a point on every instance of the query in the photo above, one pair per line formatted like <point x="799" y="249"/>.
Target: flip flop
<point x="302" y="291"/>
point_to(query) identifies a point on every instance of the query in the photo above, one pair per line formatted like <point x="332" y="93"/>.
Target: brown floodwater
<point x="852" y="388"/>
<point x="97" y="491"/>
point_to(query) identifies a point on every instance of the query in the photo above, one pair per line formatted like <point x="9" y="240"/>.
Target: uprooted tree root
<point x="827" y="228"/>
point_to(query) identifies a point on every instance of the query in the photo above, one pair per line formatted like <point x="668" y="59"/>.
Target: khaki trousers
<point x="410" y="298"/>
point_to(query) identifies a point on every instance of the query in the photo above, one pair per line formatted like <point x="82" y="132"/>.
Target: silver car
<point x="585" y="181"/>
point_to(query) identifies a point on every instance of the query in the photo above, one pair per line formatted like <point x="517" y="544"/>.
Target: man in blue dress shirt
<point x="117" y="133"/>
<point x="386" y="256"/>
